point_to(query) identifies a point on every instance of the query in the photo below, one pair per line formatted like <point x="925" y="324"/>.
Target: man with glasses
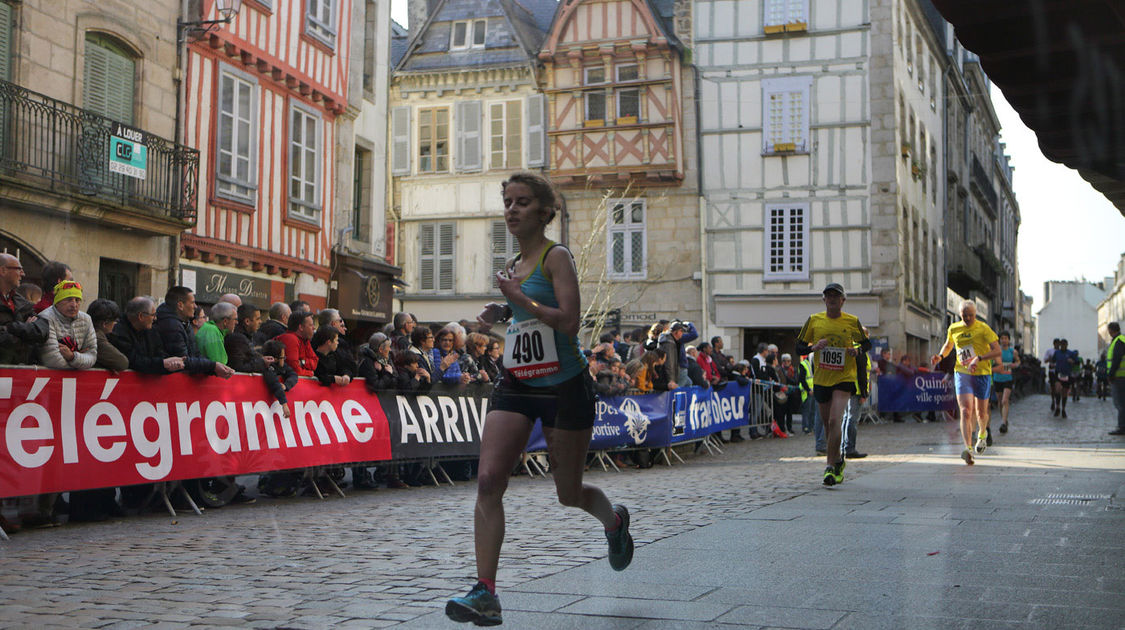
<point x="214" y="331"/>
<point x="20" y="330"/>
<point x="135" y="337"/>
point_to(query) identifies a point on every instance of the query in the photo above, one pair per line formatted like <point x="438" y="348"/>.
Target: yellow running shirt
<point x="972" y="341"/>
<point x="832" y="364"/>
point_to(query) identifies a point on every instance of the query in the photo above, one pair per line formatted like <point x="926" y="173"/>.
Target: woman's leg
<point x="504" y="438"/>
<point x="567" y="450"/>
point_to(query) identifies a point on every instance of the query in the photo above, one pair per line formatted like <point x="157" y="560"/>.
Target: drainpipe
<point x="178" y="81"/>
<point x="705" y="298"/>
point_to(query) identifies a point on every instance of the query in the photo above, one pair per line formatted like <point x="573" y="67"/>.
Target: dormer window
<point x="468" y="34"/>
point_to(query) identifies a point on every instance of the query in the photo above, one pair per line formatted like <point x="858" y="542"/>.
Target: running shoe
<point x="967" y="455"/>
<point x="1004" y="428"/>
<point x="620" y="541"/>
<point x="1064" y="413"/>
<point x="1056" y="412"/>
<point x="981" y="444"/>
<point x="829" y="475"/>
<point x="480" y="607"/>
<point x="988" y="437"/>
<point x="839" y="470"/>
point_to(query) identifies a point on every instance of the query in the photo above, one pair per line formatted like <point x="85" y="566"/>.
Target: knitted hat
<point x="67" y="289"/>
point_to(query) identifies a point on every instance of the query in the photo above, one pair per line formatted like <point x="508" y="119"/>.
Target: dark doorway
<point x="117" y="280"/>
<point x="32" y="263"/>
<point x="784" y="338"/>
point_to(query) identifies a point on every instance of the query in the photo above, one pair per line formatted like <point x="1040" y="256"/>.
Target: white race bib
<point x="529" y="350"/>
<point x="831" y="359"/>
<point x="966" y="354"/>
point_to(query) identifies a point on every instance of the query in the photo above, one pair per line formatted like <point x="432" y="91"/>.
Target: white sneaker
<point x="981" y="444"/>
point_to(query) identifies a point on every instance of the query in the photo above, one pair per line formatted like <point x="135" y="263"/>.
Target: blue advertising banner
<point x="624" y="422"/>
<point x="698" y="412"/>
<point x="921" y="392"/>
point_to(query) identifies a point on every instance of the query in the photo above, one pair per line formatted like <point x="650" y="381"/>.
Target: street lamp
<point x="226" y="9"/>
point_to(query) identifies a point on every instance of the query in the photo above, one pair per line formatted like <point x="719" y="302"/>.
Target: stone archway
<point x="31" y="259"/>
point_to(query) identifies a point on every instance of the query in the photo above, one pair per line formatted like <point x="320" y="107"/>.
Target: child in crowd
<point x="409" y="376"/>
<point x="329" y="368"/>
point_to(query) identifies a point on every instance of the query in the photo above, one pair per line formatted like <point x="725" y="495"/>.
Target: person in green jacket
<point x="210" y="337"/>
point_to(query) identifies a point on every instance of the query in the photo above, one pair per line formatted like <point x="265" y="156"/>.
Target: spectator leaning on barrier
<point x="241" y="355"/>
<point x="299" y="353"/>
<point x="210" y="337"/>
<point x="104" y="315"/>
<point x="695" y="371"/>
<point x="275" y="325"/>
<point x="52" y="273"/>
<point x="20" y="331"/>
<point x="330" y="369"/>
<point x="279" y="377"/>
<point x="376" y="365"/>
<point x="136" y="338"/>
<point x="404" y="325"/>
<point x="410" y="375"/>
<point x="445" y="359"/>
<point x="422" y="346"/>
<point x="472" y="359"/>
<point x="651" y="372"/>
<point x="71" y="342"/>
<point x="490" y="362"/>
<point x="175" y="333"/>
<point x="345" y="354"/>
<point x="706" y="360"/>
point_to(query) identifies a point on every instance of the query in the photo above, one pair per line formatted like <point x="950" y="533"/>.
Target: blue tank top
<point x="1007" y="356"/>
<point x="537" y="286"/>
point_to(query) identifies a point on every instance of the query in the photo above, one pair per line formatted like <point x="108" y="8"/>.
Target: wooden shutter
<point x="108" y="81"/>
<point x="426" y="257"/>
<point x="536" y="131"/>
<point x="400" y="138"/>
<point x="468" y="121"/>
<point x="503" y="248"/>
<point x="445" y="257"/>
<point x="5" y="41"/>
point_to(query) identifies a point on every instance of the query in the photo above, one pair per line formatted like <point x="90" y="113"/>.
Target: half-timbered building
<point x="466" y="112"/>
<point x="821" y="141"/>
<point x="621" y="138"/>
<point x="261" y="99"/>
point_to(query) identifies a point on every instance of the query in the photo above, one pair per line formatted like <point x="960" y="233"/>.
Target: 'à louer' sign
<point x="128" y="153"/>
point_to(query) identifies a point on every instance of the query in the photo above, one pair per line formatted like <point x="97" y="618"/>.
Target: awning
<point x="1061" y="65"/>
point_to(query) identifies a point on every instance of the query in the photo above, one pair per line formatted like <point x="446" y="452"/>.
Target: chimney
<point x="418" y="11"/>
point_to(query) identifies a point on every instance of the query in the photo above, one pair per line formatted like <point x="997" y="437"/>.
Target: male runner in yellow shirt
<point x="836" y="338"/>
<point x="977" y="345"/>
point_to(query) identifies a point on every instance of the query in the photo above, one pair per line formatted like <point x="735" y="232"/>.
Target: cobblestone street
<point x="390" y="557"/>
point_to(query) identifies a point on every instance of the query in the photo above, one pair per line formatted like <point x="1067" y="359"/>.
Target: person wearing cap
<point x="672" y="343"/>
<point x="834" y="338"/>
<point x="977" y="346"/>
<point x="72" y="342"/>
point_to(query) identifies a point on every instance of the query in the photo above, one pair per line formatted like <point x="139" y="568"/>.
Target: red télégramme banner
<point x="64" y="430"/>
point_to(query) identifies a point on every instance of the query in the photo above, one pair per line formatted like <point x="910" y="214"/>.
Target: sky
<point x="1086" y="244"/>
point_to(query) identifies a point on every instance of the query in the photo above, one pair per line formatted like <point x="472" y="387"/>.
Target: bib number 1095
<point x="832" y="359"/>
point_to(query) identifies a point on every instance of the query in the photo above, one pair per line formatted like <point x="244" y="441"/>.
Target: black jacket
<point x="405" y="382"/>
<point x="142" y="347"/>
<point x="268" y="330"/>
<point x="279" y="379"/>
<point x="19" y="338"/>
<point x="179" y="341"/>
<point x="373" y="379"/>
<point x="331" y="365"/>
<point x="241" y="356"/>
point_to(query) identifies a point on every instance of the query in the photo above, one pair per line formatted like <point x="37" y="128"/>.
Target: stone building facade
<point x="72" y="72"/>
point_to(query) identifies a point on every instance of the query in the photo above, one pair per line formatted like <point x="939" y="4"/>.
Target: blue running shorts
<point x="979" y="385"/>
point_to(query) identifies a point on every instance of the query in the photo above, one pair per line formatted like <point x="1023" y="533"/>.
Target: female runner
<point x="545" y="377"/>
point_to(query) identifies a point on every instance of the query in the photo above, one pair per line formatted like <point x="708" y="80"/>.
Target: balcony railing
<point x="52" y="144"/>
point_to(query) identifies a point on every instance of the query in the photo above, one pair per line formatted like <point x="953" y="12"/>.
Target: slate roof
<point x="400" y="37"/>
<point x="515" y="31"/>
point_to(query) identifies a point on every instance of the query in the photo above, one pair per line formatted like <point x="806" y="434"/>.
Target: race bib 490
<point x="529" y="350"/>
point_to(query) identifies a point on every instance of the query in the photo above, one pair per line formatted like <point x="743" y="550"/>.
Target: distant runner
<point x="1064" y="361"/>
<point x="1002" y="380"/>
<point x="976" y="346"/>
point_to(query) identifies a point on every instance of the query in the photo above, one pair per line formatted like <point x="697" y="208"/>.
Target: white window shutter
<point x="426" y="257"/>
<point x="445" y="257"/>
<point x="536" y="131"/>
<point x="468" y="156"/>
<point x="400" y="138"/>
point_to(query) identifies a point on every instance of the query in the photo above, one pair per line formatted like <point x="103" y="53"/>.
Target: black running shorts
<point x="823" y="393"/>
<point x="999" y="386"/>
<point x="570" y="405"/>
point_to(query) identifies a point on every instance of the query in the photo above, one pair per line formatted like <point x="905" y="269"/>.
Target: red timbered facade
<point x="261" y="99"/>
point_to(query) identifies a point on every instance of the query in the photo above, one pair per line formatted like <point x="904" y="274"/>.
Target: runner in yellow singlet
<point x="836" y="338"/>
<point x="977" y="346"/>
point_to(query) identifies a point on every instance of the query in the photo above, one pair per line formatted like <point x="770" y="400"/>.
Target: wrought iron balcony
<point x="50" y="144"/>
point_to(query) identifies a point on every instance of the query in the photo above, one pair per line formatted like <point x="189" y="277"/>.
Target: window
<point x="235" y="158"/>
<point x="626" y="231"/>
<point x="361" y="196"/>
<point x="784" y="12"/>
<point x="304" y="163"/>
<point x="505" y="128"/>
<point x="435" y="264"/>
<point x="786" y="115"/>
<point x="504" y="247"/>
<point x="320" y="20"/>
<point x="787" y="239"/>
<point x="5" y="42"/>
<point x="595" y="99"/>
<point x="108" y="82"/>
<point x="468" y="34"/>
<point x="467" y="134"/>
<point x="628" y="105"/>
<point x="628" y="72"/>
<point x="433" y="140"/>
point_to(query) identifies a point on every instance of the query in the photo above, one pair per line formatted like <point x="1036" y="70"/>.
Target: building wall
<point x="1071" y="313"/>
